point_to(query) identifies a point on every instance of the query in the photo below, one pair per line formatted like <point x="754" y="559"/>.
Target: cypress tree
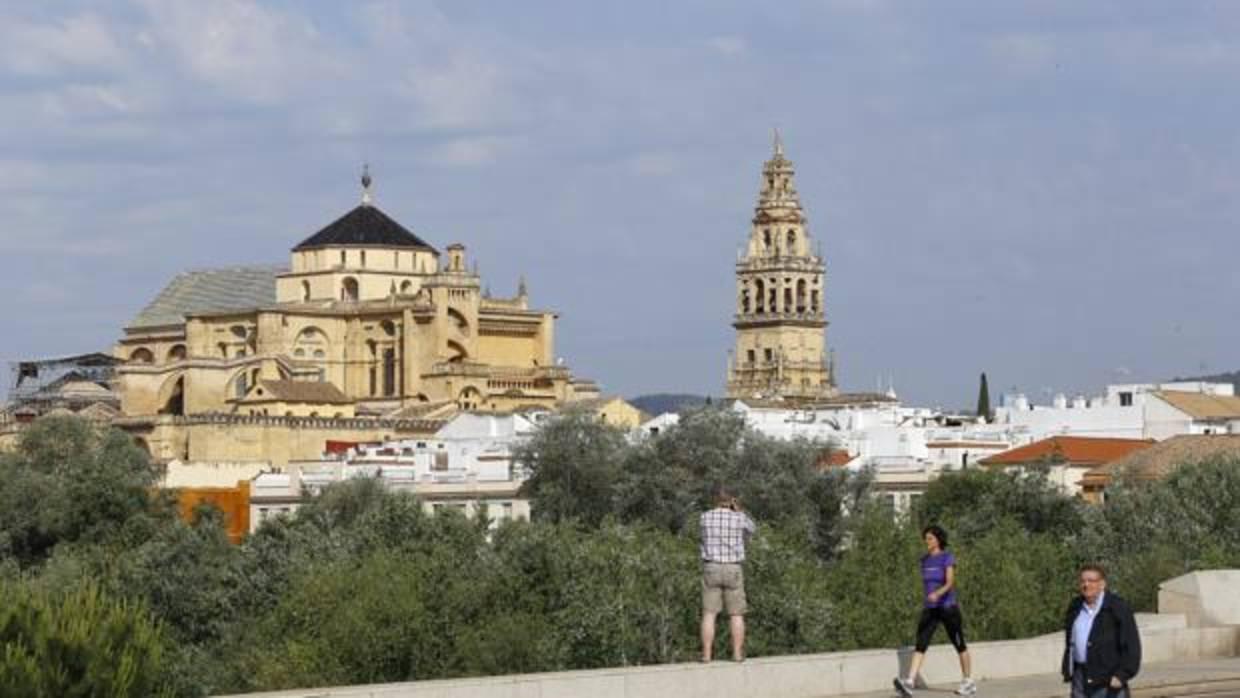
<point x="983" y="399"/>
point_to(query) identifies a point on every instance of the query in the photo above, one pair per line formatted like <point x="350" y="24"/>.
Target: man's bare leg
<point x="738" y="637"/>
<point x="708" y="636"/>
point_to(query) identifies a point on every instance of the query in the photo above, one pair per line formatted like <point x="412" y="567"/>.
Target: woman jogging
<point x="938" y="577"/>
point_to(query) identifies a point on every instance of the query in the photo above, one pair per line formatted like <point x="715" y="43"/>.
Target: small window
<point x="769" y="354"/>
<point x="1125" y="399"/>
<point x="752" y="356"/>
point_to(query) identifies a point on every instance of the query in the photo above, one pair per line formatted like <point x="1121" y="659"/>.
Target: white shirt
<point x="1080" y="629"/>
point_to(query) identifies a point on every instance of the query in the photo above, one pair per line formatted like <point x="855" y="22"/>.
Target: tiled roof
<point x="1202" y="406"/>
<point x="834" y="458"/>
<point x="365" y="225"/>
<point x="1159" y="460"/>
<point x="315" y="392"/>
<point x="1076" y="450"/>
<point x="237" y="288"/>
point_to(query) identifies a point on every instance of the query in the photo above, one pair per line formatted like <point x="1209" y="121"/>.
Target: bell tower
<point x="780" y="323"/>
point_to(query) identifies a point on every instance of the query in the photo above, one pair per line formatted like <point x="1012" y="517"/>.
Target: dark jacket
<point x="1114" y="643"/>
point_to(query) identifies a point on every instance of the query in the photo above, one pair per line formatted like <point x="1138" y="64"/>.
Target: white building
<point x="468" y="465"/>
<point x="1128" y="411"/>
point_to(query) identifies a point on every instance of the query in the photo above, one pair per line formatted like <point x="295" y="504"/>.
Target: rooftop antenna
<point x="367" y="197"/>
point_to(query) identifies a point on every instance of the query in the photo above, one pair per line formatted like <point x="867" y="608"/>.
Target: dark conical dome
<point x="365" y="225"/>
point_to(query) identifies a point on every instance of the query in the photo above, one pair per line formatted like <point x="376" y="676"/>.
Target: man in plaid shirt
<point x="725" y="531"/>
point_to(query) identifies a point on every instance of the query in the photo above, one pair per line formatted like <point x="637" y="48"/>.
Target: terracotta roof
<point x="365" y="225"/>
<point x="1202" y="406"/>
<point x="316" y="392"/>
<point x="834" y="458"/>
<point x="1075" y="450"/>
<point x="1159" y="460"/>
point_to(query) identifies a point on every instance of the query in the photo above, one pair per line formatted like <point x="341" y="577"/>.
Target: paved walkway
<point x="1213" y="677"/>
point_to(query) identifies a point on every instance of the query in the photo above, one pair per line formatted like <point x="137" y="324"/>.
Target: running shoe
<point x="968" y="687"/>
<point x="903" y="687"/>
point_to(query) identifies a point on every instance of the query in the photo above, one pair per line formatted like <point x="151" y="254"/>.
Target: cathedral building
<point x="371" y="333"/>
<point x="780" y="319"/>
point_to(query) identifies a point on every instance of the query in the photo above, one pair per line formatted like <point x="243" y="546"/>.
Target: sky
<point x="1047" y="191"/>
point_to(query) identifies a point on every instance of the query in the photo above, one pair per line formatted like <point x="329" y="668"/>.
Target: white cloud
<point x="244" y="49"/>
<point x="1024" y="53"/>
<point x="728" y="45"/>
<point x="470" y="152"/>
<point x="82" y="42"/>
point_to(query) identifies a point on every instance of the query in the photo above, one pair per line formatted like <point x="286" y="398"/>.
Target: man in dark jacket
<point x="1102" y="649"/>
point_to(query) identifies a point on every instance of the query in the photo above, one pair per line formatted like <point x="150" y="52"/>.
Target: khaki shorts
<point x="723" y="587"/>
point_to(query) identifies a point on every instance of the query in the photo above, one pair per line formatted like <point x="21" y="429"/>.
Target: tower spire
<point x="778" y="144"/>
<point x="367" y="197"/>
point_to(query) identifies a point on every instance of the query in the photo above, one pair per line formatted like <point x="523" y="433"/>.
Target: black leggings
<point x="929" y="622"/>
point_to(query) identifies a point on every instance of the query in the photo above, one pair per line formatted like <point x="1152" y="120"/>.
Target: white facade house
<point x="468" y="466"/>
<point x="907" y="447"/>
<point x="1126" y="411"/>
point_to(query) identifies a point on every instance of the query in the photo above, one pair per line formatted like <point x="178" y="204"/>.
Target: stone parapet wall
<point x="803" y="676"/>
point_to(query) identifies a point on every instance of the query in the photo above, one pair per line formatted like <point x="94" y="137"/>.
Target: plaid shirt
<point x="724" y="534"/>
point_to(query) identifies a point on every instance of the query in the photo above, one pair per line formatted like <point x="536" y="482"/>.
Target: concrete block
<point x="869" y="670"/>
<point x="1206" y="598"/>
<point x="610" y="685"/>
<point x="816" y="675"/>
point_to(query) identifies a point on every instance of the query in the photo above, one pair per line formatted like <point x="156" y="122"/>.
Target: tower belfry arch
<point x="780" y="317"/>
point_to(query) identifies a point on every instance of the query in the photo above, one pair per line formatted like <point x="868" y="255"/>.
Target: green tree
<point x="69" y="481"/>
<point x="983" y="399"/>
<point x="1014" y="583"/>
<point x="78" y="644"/>
<point x="875" y="582"/>
<point x="574" y="461"/>
<point x="972" y="502"/>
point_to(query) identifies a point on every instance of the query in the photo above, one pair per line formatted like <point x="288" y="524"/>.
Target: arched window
<point x="800" y="295"/>
<point x="305" y="290"/>
<point x="766" y="238"/>
<point x="458" y="353"/>
<point x="745" y="300"/>
<point x="389" y="372"/>
<point x="406" y="287"/>
<point x="174" y="402"/>
<point x="176" y="353"/>
<point x="469" y="399"/>
<point x="363" y="259"/>
<point x="459" y="320"/>
<point x="348" y="289"/>
<point x="787" y="299"/>
<point x="760" y="295"/>
<point x="142" y="355"/>
<point x="813" y="305"/>
<point x="389" y="328"/>
<point x="792" y="241"/>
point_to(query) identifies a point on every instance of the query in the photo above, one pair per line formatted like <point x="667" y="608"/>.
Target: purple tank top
<point x="934" y="575"/>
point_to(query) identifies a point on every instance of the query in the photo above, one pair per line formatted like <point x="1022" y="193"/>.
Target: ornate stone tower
<point x="780" y="323"/>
